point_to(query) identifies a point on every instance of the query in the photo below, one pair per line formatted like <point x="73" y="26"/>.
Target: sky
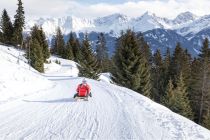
<point x="98" y="8"/>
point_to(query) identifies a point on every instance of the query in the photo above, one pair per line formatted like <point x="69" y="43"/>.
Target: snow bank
<point x="66" y="67"/>
<point x="18" y="80"/>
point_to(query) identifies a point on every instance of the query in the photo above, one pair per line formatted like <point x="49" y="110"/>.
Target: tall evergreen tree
<point x="176" y="63"/>
<point x="200" y="89"/>
<point x="157" y="76"/>
<point x="53" y="49"/>
<point x="68" y="54"/>
<point x="180" y="62"/>
<point x="36" y="55"/>
<point x="76" y="49"/>
<point x="19" y="24"/>
<point x="44" y="44"/>
<point x="1" y="36"/>
<point x="183" y="100"/>
<point x="38" y="34"/>
<point x="6" y="27"/>
<point x="130" y="65"/>
<point x="89" y="66"/>
<point x="177" y="99"/>
<point x="206" y="120"/>
<point x="145" y="49"/>
<point x="102" y="53"/>
<point x="127" y="61"/>
<point x="166" y="69"/>
<point x="145" y="76"/>
<point x="169" y="99"/>
<point x="58" y="43"/>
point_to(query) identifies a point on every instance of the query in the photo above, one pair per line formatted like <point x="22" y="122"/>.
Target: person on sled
<point x="83" y="90"/>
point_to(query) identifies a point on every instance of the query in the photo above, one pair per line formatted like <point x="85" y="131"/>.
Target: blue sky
<point x="98" y="8"/>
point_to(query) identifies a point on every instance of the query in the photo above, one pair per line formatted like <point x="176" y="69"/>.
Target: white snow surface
<point x="113" y="113"/>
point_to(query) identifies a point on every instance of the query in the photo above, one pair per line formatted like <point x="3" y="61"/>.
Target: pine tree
<point x="68" y="54"/>
<point x="157" y="76"/>
<point x="200" y="90"/>
<point x="102" y="53"/>
<point x="38" y="34"/>
<point x="177" y="98"/>
<point x="76" y="49"/>
<point x="206" y="120"/>
<point x="176" y="63"/>
<point x="36" y="55"/>
<point x="6" y="27"/>
<point x="19" y="24"/>
<point x="182" y="98"/>
<point x="145" y="76"/>
<point x="58" y="43"/>
<point x="186" y="68"/>
<point x="169" y="99"/>
<point x="127" y="67"/>
<point x="130" y="65"/>
<point x="1" y="36"/>
<point x="180" y="62"/>
<point x="44" y="44"/>
<point x="53" y="49"/>
<point x="89" y="66"/>
<point x="145" y="49"/>
<point x="166" y="69"/>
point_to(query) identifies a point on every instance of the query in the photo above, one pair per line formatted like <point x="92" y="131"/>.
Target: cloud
<point x="163" y="8"/>
<point x="82" y="8"/>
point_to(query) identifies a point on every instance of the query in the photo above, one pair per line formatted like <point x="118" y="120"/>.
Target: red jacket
<point x="83" y="89"/>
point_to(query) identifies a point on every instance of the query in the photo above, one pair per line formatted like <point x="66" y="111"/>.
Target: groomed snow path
<point x="112" y="113"/>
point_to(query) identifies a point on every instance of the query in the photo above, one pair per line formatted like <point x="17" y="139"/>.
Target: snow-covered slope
<point x="162" y="39"/>
<point x="112" y="113"/>
<point x="190" y="29"/>
<point x="16" y="80"/>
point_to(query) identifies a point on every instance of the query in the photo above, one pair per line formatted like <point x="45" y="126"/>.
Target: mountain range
<point x="160" y="33"/>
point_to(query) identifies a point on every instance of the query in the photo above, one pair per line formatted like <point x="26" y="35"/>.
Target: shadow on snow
<point x="64" y="100"/>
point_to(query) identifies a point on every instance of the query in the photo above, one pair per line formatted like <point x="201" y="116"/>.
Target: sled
<point x="81" y="98"/>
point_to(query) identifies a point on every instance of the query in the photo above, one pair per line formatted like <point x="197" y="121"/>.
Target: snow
<point x="15" y="79"/>
<point x="197" y="51"/>
<point x="105" y="77"/>
<point x="113" y="112"/>
<point x="115" y="22"/>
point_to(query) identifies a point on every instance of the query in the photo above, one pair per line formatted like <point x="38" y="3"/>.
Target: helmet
<point x="84" y="81"/>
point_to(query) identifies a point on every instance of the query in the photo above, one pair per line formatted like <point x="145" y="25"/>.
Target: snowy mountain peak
<point x="148" y="14"/>
<point x="185" y="17"/>
<point x="111" y="19"/>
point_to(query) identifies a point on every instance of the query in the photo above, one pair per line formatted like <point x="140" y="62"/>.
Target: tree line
<point x="11" y="33"/>
<point x="175" y="79"/>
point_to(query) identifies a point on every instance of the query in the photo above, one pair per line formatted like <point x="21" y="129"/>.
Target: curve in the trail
<point x="54" y="114"/>
<point x="112" y="113"/>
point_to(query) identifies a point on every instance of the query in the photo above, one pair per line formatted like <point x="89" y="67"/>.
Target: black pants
<point x="76" y="95"/>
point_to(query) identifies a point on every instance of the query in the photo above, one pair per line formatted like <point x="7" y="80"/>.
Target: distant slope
<point x="112" y="113"/>
<point x="162" y="39"/>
